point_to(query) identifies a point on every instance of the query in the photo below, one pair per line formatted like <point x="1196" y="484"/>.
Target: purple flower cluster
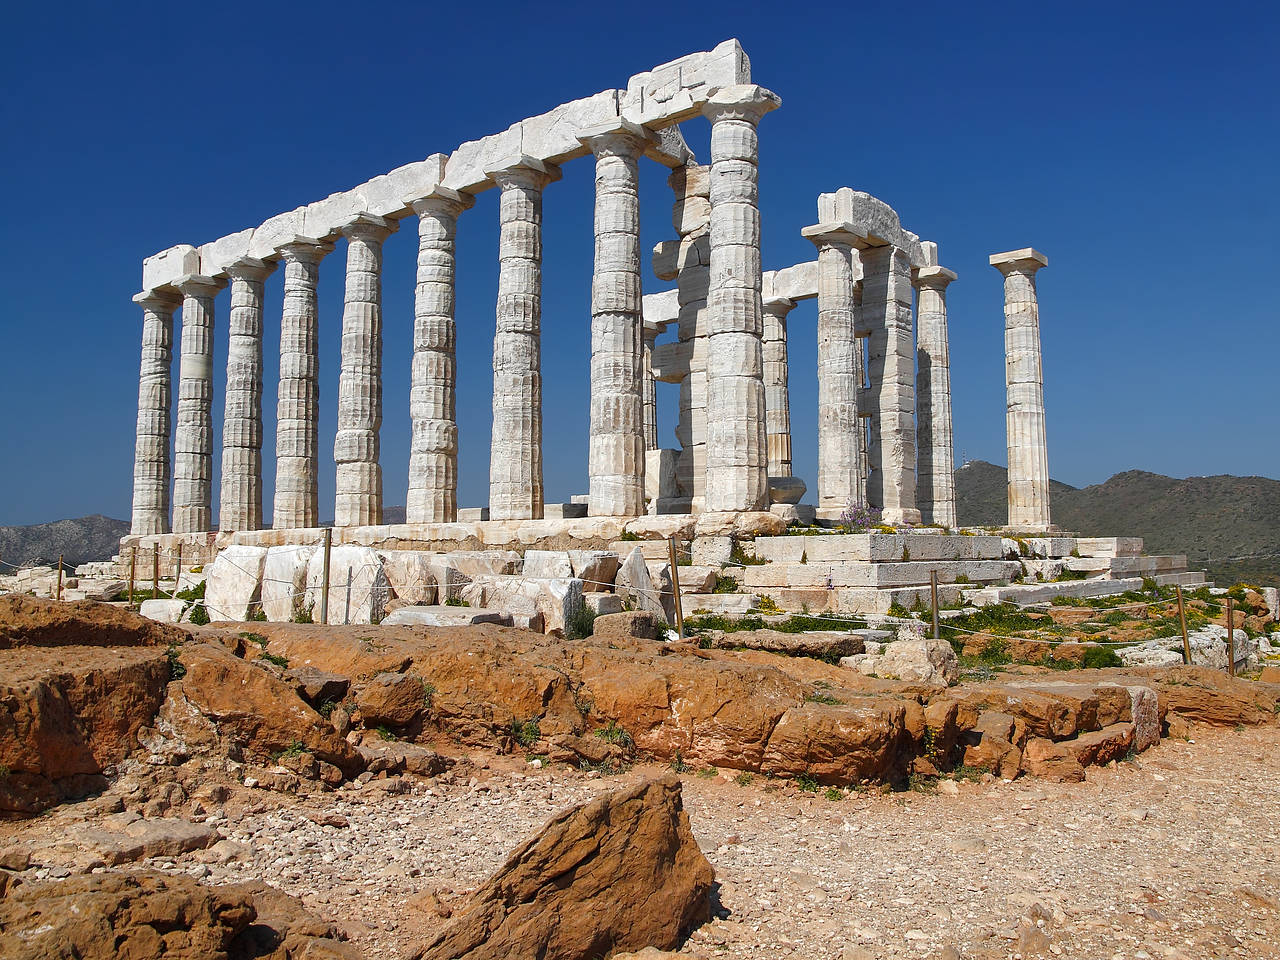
<point x="858" y="517"/>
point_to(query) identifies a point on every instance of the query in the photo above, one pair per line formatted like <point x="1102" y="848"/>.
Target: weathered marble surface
<point x="151" y="463"/>
<point x="936" y="490"/>
<point x="777" y="404"/>
<point x="1024" y="380"/>
<point x="193" y="436"/>
<point x="240" y="506"/>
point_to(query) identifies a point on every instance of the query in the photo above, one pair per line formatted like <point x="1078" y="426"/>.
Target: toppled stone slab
<point x="828" y="645"/>
<point x="284" y="582"/>
<point x="635" y="585"/>
<point x="162" y="611"/>
<point x="233" y="582"/>
<point x="926" y="661"/>
<point x="126" y="838"/>
<point x="446" y="616"/>
<point x="619" y="873"/>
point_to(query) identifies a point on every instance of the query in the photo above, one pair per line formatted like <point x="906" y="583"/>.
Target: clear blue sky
<point x="1135" y="144"/>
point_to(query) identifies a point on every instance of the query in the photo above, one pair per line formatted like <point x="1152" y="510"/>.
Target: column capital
<point x="779" y="306"/>
<point x="520" y="170"/>
<point x="249" y="268"/>
<point x="158" y="300"/>
<point x="197" y="285"/>
<point x="304" y="249"/>
<point x="620" y="138"/>
<point x="368" y="226"/>
<point x="935" y="278"/>
<point x="442" y="200"/>
<point x="837" y="233"/>
<point x="740" y="101"/>
<point x="1026" y="260"/>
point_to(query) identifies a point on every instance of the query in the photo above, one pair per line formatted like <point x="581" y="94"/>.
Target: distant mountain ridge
<point x="1227" y="525"/>
<point x="78" y="541"/>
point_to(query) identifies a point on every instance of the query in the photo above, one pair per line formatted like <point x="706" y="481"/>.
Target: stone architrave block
<point x="165" y="611"/>
<point x="798" y="282"/>
<point x="597" y="569"/>
<point x="362" y="568"/>
<point x="233" y="582"/>
<point x="475" y="563"/>
<point x="163" y="268"/>
<point x="413" y="181"/>
<point x="698" y="579"/>
<point x="411" y="574"/>
<point x="215" y="257"/>
<point x="602" y="604"/>
<point x="465" y="169"/>
<point x="445" y="616"/>
<point x="284" y="581"/>
<point x="872" y="219"/>
<point x="553" y="137"/>
<point x="545" y="564"/>
<point x="280" y="230"/>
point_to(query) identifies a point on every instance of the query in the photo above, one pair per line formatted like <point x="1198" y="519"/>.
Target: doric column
<point x="615" y="459"/>
<point x="515" y="454"/>
<point x="936" y="486"/>
<point x="297" y="503"/>
<point x="433" y="447"/>
<point x="155" y="387"/>
<point x="777" y="405"/>
<point x="886" y="311"/>
<point x="842" y="471"/>
<point x="358" y="500"/>
<point x="649" y="394"/>
<point x="193" y="436"/>
<point x="240" y="507"/>
<point x="737" y="462"/>
<point x="691" y="217"/>
<point x="1024" y="380"/>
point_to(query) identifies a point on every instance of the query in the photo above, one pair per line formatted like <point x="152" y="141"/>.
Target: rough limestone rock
<point x="33" y="622"/>
<point x="1157" y="653"/>
<point x="1144" y="710"/>
<point x="127" y="837"/>
<point x="628" y="625"/>
<point x="284" y="582"/>
<point x="597" y="569"/>
<point x="924" y="661"/>
<point x="1051" y="761"/>
<point x="622" y="872"/>
<point x="233" y="582"/>
<point x="636" y="586"/>
<point x="136" y="916"/>
<point x="411" y="575"/>
<point x="368" y="580"/>
<point x="698" y="579"/>
<point x="394" y="699"/>
<point x="1206" y="695"/>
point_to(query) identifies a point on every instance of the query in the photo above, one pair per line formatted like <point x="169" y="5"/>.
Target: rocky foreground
<point x="288" y="790"/>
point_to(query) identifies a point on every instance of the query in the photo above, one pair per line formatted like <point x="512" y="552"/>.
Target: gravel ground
<point x="1174" y="855"/>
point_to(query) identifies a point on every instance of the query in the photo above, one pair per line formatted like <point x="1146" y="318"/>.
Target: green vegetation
<point x="294" y="749"/>
<point x="428" y="691"/>
<point x="1097" y="657"/>
<point x="194" y="598"/>
<point x="386" y="733"/>
<point x="821" y="696"/>
<point x="833" y="793"/>
<point x="455" y="602"/>
<point x="744" y="779"/>
<point x="581" y="624"/>
<point x="679" y="766"/>
<point x="707" y="773"/>
<point x="279" y="661"/>
<point x="725" y="584"/>
<point x="742" y="558"/>
<point x="616" y="735"/>
<point x="176" y="668"/>
<point x="806" y="783"/>
<point x="526" y="732"/>
<point x="628" y="536"/>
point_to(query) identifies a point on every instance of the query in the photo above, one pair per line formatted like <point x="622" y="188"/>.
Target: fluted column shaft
<point x="737" y="461"/>
<point x="1024" y="380"/>
<point x="358" y="500"/>
<point x="649" y="391"/>
<point x="936" y="478"/>
<point x="777" y="404"/>
<point x="240" y="506"/>
<point x="841" y="470"/>
<point x="193" y="436"/>
<point x="615" y="458"/>
<point x="515" y="455"/>
<point x="886" y="311"/>
<point x="433" y="447"/>
<point x="297" y="503"/>
<point x="155" y="387"/>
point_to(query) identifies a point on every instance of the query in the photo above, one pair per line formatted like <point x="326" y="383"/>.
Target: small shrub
<point x="176" y="668"/>
<point x="428" y="691"/>
<point x="744" y="779"/>
<point x="293" y="750"/>
<point x="679" y="766"/>
<point x="616" y="735"/>
<point x="1096" y="657"/>
<point x="199" y="615"/>
<point x="386" y="734"/>
<point x="859" y="518"/>
<point x="581" y="624"/>
<point x="301" y="611"/>
<point x="833" y="793"/>
<point x="455" y="602"/>
<point x="806" y="783"/>
<point x="256" y="613"/>
<point x="279" y="661"/>
<point x="820" y="696"/>
<point x="898" y="610"/>
<point x="628" y="536"/>
<point x="257" y="638"/>
<point x="325" y="709"/>
<point x="744" y="559"/>
<point x="725" y="585"/>
<point x="766" y="605"/>
<point x="527" y="732"/>
<point x="707" y="773"/>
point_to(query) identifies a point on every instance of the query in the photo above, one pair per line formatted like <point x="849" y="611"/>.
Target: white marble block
<point x="284" y="582"/>
<point x="358" y="586"/>
<point x="233" y="582"/>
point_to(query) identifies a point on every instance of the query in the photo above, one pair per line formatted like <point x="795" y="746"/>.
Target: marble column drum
<point x="433" y="446"/>
<point x="297" y="502"/>
<point x="737" y="461"/>
<point x="777" y="403"/>
<point x="615" y="452"/>
<point x="841" y="468"/>
<point x="358" y="500"/>
<point x="936" y="485"/>
<point x="886" y="311"/>
<point x="1024" y="381"/>
<point x="515" y="455"/>
<point x="240" y="506"/>
<point x="151" y="470"/>
<point x="193" y="434"/>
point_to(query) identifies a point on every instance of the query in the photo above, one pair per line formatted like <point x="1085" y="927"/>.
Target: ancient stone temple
<point x="720" y="332"/>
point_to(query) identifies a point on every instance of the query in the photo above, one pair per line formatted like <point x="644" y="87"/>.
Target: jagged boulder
<point x="622" y="872"/>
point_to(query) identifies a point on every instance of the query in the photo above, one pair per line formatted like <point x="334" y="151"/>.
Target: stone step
<point x="1109" y="546"/>
<point x="876" y="547"/>
<point x="1128" y="566"/>
<point x="854" y="574"/>
<point x="1023" y="593"/>
<point x="1186" y="578"/>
